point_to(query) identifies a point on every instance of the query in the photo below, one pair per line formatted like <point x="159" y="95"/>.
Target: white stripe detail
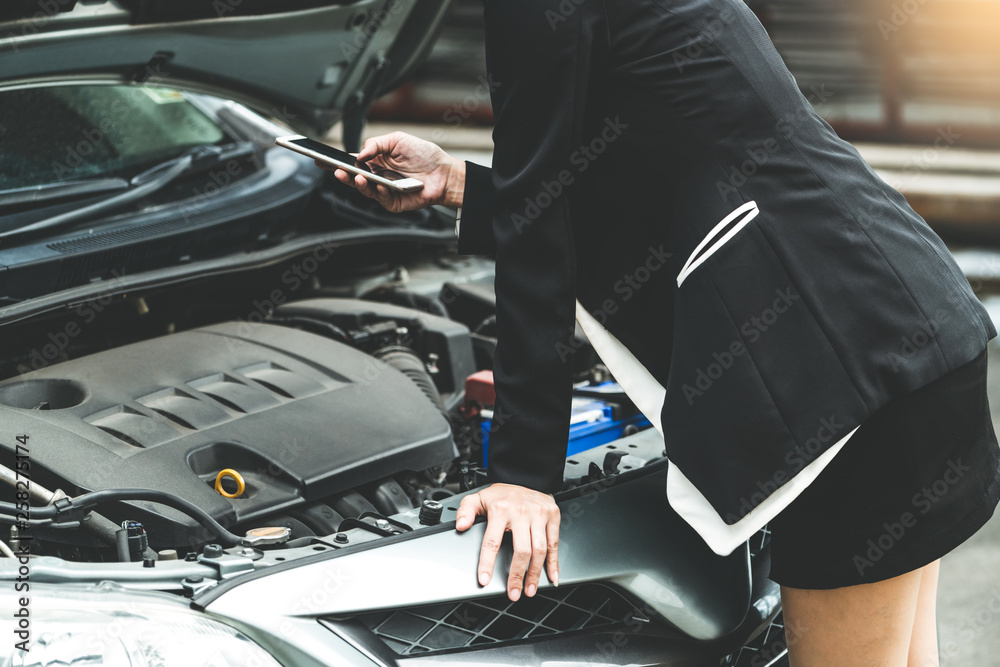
<point x="751" y="211"/>
<point x="692" y="506"/>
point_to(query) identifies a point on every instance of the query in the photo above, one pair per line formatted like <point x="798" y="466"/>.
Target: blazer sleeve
<point x="475" y="232"/>
<point x="539" y="76"/>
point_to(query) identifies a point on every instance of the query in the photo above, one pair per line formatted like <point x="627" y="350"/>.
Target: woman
<point x="806" y="344"/>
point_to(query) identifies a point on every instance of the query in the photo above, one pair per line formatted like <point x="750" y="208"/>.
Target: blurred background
<point x="891" y="70"/>
<point x="915" y="85"/>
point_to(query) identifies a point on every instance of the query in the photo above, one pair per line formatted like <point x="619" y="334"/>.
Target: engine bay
<point x="323" y="417"/>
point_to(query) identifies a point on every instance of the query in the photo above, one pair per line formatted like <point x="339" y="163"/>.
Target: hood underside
<point x="306" y="62"/>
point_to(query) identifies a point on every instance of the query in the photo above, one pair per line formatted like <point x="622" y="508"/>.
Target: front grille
<point x="495" y="620"/>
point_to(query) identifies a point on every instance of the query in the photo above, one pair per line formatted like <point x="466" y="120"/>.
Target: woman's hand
<point x="443" y="176"/>
<point x="531" y="517"/>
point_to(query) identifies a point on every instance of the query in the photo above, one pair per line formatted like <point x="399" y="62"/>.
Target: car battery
<point x="593" y="421"/>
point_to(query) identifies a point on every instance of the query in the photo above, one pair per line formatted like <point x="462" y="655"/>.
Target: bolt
<point x="212" y="551"/>
<point x="430" y="512"/>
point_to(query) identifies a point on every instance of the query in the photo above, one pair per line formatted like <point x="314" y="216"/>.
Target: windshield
<point x="69" y="133"/>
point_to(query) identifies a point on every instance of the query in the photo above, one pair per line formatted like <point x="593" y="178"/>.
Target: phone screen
<point x="343" y="156"/>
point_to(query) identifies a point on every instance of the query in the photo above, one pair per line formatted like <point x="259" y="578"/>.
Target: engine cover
<point x="299" y="416"/>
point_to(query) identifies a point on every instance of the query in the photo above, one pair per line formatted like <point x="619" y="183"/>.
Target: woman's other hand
<point x="532" y="518"/>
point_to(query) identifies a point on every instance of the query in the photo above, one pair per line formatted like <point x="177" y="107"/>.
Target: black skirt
<point x="919" y="477"/>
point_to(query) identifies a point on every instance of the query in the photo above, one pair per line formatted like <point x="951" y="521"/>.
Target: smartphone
<point x="347" y="162"/>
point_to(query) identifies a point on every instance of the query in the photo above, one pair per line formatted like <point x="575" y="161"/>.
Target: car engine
<point x="323" y="413"/>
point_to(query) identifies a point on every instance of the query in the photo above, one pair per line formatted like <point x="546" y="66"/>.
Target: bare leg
<point x="869" y="625"/>
<point x="924" y="644"/>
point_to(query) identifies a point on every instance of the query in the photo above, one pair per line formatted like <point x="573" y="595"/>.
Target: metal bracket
<point x="228" y="566"/>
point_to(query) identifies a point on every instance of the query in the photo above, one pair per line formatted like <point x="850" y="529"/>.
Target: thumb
<point x="375" y="146"/>
<point x="471" y="507"/>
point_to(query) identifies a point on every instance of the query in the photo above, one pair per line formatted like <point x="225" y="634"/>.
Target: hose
<point x="487" y="323"/>
<point x="406" y="361"/>
<point x="96" y="524"/>
<point x="89" y="500"/>
<point x="408" y="299"/>
<point x="412" y="366"/>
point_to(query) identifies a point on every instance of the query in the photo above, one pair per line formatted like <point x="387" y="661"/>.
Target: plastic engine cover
<point x="299" y="416"/>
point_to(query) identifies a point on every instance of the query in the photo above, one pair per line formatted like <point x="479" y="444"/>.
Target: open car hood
<point x="309" y="63"/>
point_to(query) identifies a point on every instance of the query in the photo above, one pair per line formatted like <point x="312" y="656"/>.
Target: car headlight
<point x="125" y="629"/>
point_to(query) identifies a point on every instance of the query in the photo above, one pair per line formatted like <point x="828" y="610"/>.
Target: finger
<point x="521" y="532"/>
<point x="368" y="151"/>
<point x="377" y="163"/>
<point x="324" y="165"/>
<point x="552" y="539"/>
<point x="468" y="510"/>
<point x="539" y="549"/>
<point x="377" y="146"/>
<point x="364" y="187"/>
<point x="343" y="177"/>
<point x="495" y="528"/>
<point x="386" y="197"/>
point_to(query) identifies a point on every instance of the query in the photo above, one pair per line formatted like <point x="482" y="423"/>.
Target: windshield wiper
<point x="144" y="184"/>
<point x="64" y="190"/>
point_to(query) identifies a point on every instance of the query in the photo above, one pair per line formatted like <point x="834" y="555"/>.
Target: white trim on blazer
<point x="648" y="395"/>
<point x="749" y="210"/>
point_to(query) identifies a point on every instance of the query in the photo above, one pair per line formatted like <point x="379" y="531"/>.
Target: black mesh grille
<point x="495" y="620"/>
<point x="455" y="625"/>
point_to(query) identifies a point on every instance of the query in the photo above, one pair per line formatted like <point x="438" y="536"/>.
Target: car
<point x="241" y="402"/>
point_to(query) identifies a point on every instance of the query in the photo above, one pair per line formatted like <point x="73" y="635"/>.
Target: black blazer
<point x="626" y="132"/>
